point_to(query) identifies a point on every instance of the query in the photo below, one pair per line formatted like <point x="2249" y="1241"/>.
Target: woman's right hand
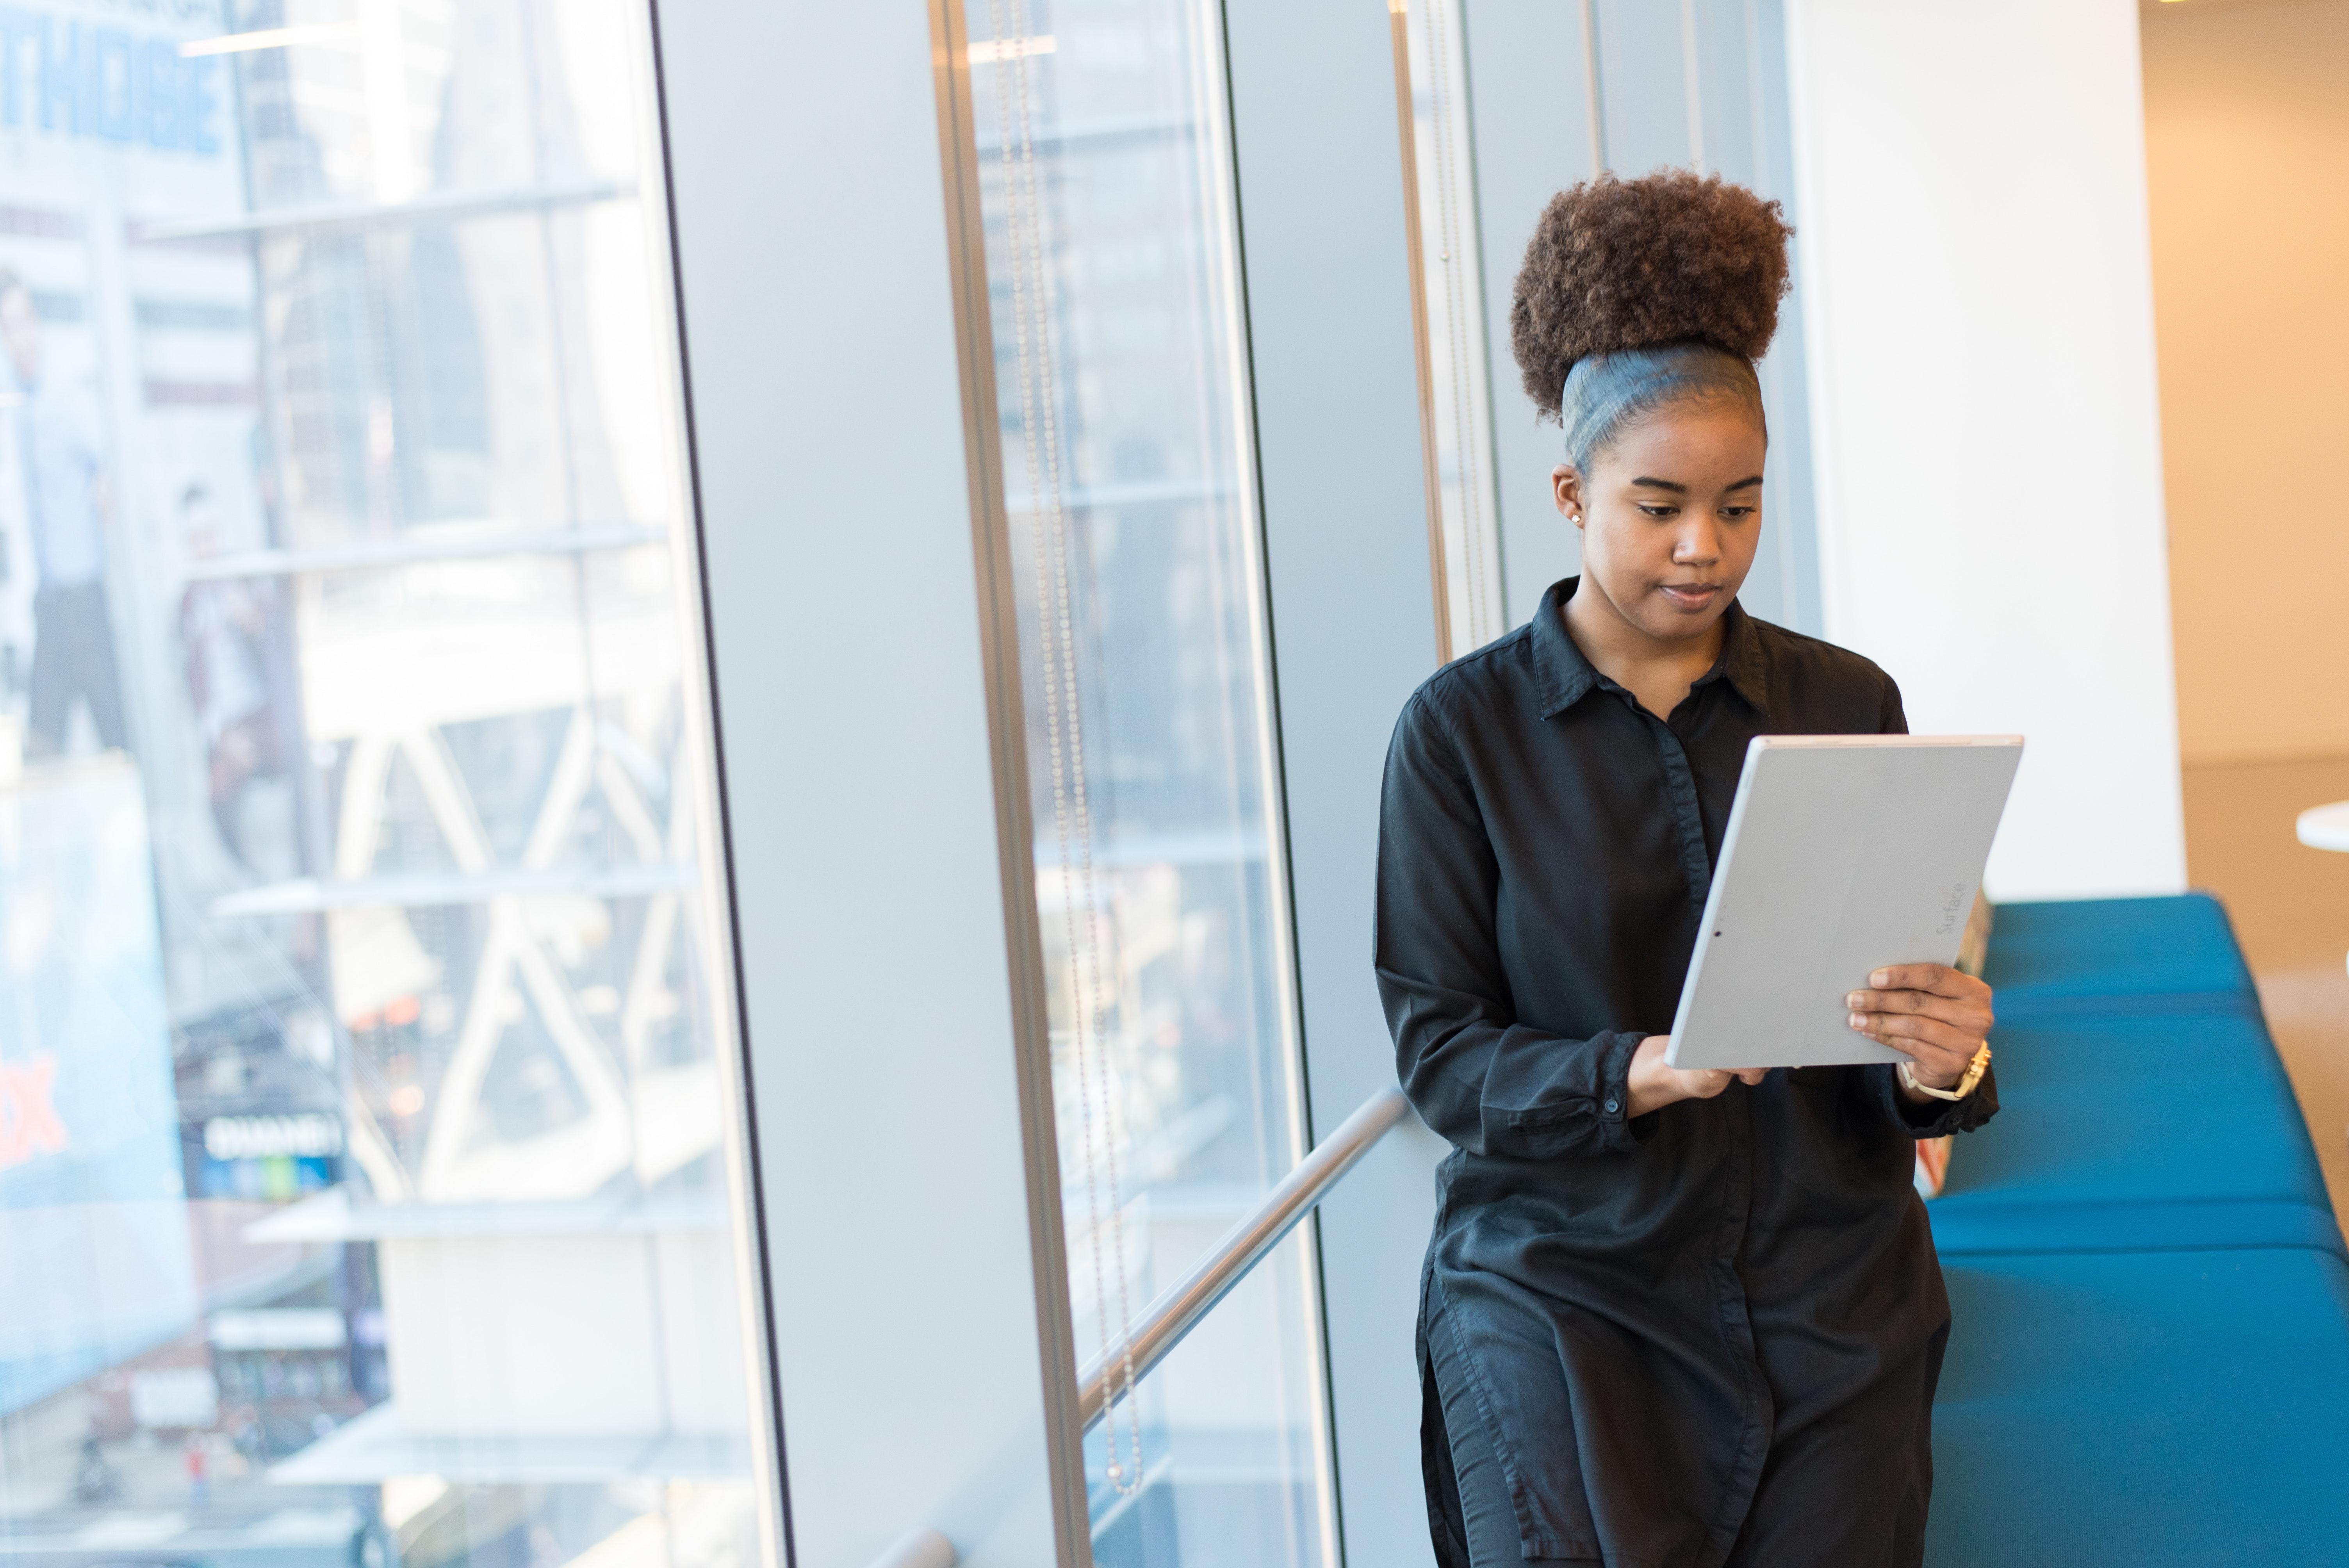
<point x="1655" y="1083"/>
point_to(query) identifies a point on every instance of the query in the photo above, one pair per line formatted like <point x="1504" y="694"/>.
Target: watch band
<point x="1965" y="1086"/>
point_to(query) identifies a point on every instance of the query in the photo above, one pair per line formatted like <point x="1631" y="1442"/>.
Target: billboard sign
<point x="94" y="1240"/>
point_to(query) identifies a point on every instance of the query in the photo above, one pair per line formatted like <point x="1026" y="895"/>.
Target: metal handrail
<point x="1179" y="1308"/>
<point x="922" y="1548"/>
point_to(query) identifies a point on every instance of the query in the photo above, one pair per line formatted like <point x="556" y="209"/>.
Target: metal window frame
<point x="831" y="328"/>
<point x="1325" y="248"/>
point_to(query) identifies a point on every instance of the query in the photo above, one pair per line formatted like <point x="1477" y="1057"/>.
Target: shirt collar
<point x="1742" y="663"/>
<point x="1566" y="676"/>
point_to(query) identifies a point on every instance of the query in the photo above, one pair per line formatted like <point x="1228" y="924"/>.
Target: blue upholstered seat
<point x="2151" y="953"/>
<point x="2154" y="1409"/>
<point x="2141" y="1101"/>
<point x="2197" y="1142"/>
<point x="2150" y="1359"/>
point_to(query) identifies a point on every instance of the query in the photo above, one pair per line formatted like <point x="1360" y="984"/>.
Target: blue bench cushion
<point x="2160" y="1409"/>
<point x="2146" y="953"/>
<point x="1995" y="1230"/>
<point x="2118" y="1132"/>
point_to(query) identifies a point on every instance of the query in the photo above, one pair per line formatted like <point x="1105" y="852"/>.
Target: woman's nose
<point x="1699" y="544"/>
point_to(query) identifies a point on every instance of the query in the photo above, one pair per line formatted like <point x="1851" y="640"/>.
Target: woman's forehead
<point x="1687" y="442"/>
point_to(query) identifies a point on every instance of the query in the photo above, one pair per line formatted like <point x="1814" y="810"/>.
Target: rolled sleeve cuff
<point x="1939" y="1118"/>
<point x="1585" y="1110"/>
<point x="1619" y="1130"/>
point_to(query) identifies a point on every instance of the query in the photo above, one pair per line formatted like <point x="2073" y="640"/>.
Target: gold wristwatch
<point x="1974" y="1070"/>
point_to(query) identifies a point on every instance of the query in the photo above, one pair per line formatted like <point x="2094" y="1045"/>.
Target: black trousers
<point x="1488" y="1520"/>
<point x="1799" y="1518"/>
<point x="73" y="656"/>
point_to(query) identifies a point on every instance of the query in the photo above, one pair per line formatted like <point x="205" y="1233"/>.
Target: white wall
<point x="1979" y="324"/>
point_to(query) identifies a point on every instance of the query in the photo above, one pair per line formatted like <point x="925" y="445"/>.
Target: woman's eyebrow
<point x="1663" y="485"/>
<point x="1746" y="484"/>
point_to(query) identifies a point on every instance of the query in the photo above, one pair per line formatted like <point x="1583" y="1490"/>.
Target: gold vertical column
<point x="1399" y="25"/>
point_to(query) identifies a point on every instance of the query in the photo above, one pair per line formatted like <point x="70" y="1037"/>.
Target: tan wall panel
<point x="2247" y="139"/>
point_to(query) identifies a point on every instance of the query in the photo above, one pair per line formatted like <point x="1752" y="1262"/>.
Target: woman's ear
<point x="1566" y="485"/>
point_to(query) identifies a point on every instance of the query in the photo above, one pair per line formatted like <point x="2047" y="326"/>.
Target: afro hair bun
<point x="1670" y="257"/>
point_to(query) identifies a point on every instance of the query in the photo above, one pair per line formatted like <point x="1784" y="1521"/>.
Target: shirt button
<point x="1613" y="1106"/>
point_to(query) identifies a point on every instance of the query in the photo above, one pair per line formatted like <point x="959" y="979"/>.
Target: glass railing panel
<point x="1112" y="256"/>
<point x="1231" y="1445"/>
<point x="366" y="1127"/>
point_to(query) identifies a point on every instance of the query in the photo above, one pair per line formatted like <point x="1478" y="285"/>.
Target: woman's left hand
<point x="1937" y="1015"/>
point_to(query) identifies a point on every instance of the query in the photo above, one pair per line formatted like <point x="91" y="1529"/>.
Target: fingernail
<point x="1882" y="977"/>
<point x="1853" y="1000"/>
<point x="1859" y="1020"/>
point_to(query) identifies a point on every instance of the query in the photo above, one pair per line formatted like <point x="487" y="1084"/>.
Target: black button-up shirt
<point x="1646" y="1305"/>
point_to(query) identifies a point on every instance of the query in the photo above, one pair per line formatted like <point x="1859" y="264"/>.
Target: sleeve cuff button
<point x="1613" y="1106"/>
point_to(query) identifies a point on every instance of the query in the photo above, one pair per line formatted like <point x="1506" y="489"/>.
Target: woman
<point x="1668" y="1317"/>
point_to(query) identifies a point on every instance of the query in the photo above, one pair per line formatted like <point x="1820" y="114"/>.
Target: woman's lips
<point x="1691" y="595"/>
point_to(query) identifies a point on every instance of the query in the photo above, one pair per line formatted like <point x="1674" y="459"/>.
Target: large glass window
<point x="365" y="1162"/>
<point x="1109" y="228"/>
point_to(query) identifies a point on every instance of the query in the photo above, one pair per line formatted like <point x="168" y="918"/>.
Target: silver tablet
<point x="1844" y="854"/>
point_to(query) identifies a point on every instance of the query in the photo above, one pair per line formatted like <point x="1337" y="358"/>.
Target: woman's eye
<point x="1739" y="512"/>
<point x="1659" y="511"/>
